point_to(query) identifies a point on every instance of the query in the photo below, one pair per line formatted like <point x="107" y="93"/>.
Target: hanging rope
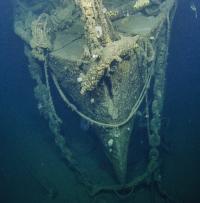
<point x="99" y="123"/>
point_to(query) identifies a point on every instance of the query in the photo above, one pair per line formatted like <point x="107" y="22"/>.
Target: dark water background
<point x="24" y="135"/>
